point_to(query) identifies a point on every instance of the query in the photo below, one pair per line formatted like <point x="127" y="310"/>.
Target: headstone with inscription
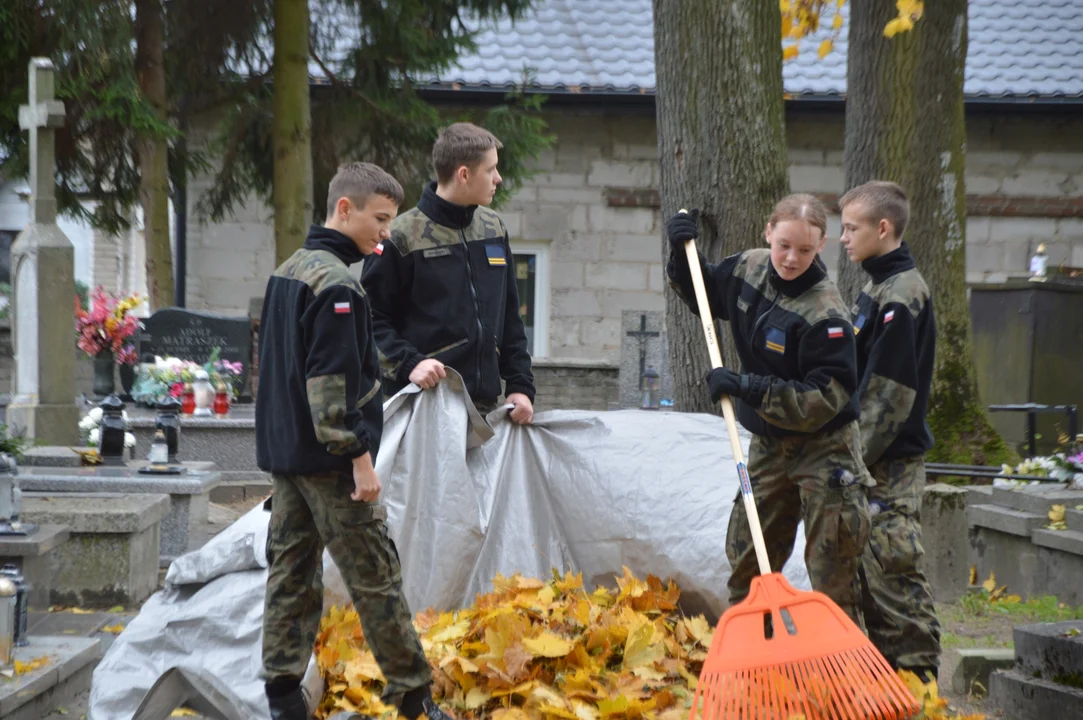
<point x="643" y="345"/>
<point x="193" y="335"/>
<point x="43" y="265"/>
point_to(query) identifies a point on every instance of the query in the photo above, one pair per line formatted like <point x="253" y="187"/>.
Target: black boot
<point x="286" y="704"/>
<point x="419" y="701"/>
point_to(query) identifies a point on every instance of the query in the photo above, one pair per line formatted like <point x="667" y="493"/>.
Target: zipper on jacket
<point x="760" y="320"/>
<point x="477" y="311"/>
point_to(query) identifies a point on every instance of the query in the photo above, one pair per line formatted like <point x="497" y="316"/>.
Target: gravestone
<point x="644" y="344"/>
<point x="192" y="335"/>
<point x="43" y="266"/>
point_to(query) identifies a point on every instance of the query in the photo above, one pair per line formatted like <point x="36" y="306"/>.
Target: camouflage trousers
<point x="821" y="480"/>
<point x="307" y="513"/>
<point x="896" y="597"/>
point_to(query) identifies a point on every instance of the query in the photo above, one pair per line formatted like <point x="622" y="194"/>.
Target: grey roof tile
<point x="1029" y="48"/>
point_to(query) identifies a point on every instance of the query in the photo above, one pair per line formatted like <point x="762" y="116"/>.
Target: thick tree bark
<point x="153" y="154"/>
<point x="292" y="128"/>
<point x="905" y="123"/>
<point x="722" y="148"/>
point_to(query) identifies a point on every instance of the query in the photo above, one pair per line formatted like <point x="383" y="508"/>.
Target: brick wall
<point x="572" y="385"/>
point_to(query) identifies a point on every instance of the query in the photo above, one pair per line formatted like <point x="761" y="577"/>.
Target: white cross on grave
<point x="41" y="117"/>
<point x="43" y="274"/>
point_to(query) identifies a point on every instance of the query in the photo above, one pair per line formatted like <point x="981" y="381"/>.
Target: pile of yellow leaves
<point x="532" y="649"/>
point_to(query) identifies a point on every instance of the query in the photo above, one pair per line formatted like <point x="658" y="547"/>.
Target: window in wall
<point x="532" y="282"/>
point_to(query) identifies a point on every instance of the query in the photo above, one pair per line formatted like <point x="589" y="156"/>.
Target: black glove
<point x="750" y="388"/>
<point x="681" y="228"/>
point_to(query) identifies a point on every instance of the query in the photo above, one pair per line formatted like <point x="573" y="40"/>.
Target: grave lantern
<point x="204" y="393"/>
<point x="22" y="597"/>
<point x="113" y="428"/>
<point x="651" y="386"/>
<point x="169" y="422"/>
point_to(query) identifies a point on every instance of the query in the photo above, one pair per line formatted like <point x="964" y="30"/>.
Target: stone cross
<point x="41" y="117"/>
<point x="43" y="268"/>
<point x="641" y="336"/>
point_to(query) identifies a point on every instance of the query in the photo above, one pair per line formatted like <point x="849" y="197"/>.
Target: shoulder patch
<point x="835" y="331"/>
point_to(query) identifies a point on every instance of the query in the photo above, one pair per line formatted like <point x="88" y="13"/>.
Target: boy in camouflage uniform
<point x="795" y="394"/>
<point x="896" y="343"/>
<point x="444" y="291"/>
<point x="319" y="418"/>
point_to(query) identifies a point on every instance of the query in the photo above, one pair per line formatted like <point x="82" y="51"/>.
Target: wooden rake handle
<point x="727" y="406"/>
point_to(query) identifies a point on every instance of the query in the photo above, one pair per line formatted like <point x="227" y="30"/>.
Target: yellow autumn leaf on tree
<point x="825" y="48"/>
<point x="789" y="52"/>
<point x="896" y="26"/>
<point x="837" y="23"/>
<point x="547" y="645"/>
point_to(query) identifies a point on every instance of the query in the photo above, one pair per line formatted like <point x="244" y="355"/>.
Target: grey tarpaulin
<point x="467" y="499"/>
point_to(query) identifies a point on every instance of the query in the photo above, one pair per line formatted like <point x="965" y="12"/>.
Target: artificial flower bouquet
<point x="166" y="377"/>
<point x="106" y="326"/>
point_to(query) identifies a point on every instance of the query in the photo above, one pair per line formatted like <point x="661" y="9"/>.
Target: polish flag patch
<point x="379" y="249"/>
<point x="834" y="332"/>
<point x="889" y="316"/>
<point x="342" y="308"/>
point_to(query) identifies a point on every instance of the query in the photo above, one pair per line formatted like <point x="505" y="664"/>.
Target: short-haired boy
<point x="895" y="331"/>
<point x="444" y="290"/>
<point x="319" y="419"/>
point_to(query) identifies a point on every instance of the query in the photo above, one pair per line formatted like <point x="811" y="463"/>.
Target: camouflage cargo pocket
<point x="365" y="534"/>
<point x="846" y="519"/>
<point x="895" y="539"/>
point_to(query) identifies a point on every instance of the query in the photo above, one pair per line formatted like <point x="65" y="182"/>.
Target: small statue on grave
<point x="113" y="428"/>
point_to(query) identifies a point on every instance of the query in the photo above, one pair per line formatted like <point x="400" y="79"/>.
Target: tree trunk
<point x="722" y="148"/>
<point x="153" y="153"/>
<point x="905" y="123"/>
<point x="292" y="128"/>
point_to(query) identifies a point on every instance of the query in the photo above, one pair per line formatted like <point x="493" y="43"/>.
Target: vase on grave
<point x="104" y="363"/>
<point x="127" y="380"/>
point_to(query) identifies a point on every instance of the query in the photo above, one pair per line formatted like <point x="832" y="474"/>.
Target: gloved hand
<point x="750" y="388"/>
<point x="681" y="228"/>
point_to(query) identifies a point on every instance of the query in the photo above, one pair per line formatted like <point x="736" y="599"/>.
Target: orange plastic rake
<point x="782" y="654"/>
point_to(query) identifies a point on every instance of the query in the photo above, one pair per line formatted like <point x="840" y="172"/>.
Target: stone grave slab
<point x="184" y="526"/>
<point x="111" y="556"/>
<point x="34" y="556"/>
<point x="1067" y="541"/>
<point x="1022" y="697"/>
<point x="1001" y="519"/>
<point x="36" y="694"/>
<point x="1051" y="650"/>
<point x="192" y="335"/>
<point x="976" y="665"/>
<point x="1036" y="499"/>
<point x="53" y="456"/>
<point x="1074" y="519"/>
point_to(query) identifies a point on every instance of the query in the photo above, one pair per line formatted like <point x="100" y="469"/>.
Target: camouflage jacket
<point x="319" y="403"/>
<point x="896" y="347"/>
<point x="445" y="288"/>
<point x="794" y="334"/>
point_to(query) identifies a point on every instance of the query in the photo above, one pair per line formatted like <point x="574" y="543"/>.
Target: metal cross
<point x="641" y="336"/>
<point x="41" y="117"/>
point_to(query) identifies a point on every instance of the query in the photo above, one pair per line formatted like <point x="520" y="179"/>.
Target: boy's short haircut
<point x="461" y="144"/>
<point x="358" y="181"/>
<point x="883" y="200"/>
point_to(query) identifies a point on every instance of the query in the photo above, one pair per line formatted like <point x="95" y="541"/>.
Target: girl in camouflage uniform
<point x="795" y="394"/>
